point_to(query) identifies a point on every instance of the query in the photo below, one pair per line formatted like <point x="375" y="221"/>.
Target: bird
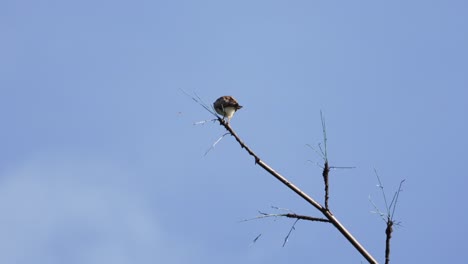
<point x="226" y="106"/>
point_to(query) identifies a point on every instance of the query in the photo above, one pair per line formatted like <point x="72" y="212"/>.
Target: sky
<point x="101" y="162"/>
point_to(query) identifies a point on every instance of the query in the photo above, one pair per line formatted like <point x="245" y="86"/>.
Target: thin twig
<point x="203" y="122"/>
<point x="381" y="189"/>
<point x="289" y="233"/>
<point x="324" y="130"/>
<point x="319" y="153"/>
<point x="288" y="215"/>
<point x="396" y="199"/>
<point x="341" y="167"/>
<point x="198" y="100"/>
<point x="216" y="142"/>
<point x="255" y="239"/>
<point x="377" y="210"/>
<point x="282" y="209"/>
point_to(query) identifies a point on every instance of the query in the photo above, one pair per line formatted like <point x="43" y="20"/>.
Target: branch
<point x="302" y="194"/>
<point x="389" y="216"/>
<point x="326" y="170"/>
<point x="290" y="215"/>
<point x="388" y="233"/>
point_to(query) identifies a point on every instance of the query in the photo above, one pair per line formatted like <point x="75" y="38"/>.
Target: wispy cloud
<point x="71" y="209"/>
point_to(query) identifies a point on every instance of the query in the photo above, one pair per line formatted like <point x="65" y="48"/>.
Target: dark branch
<point x="308" y="218"/>
<point x="290" y="215"/>
<point x="388" y="217"/>
<point x="388" y="233"/>
<point x="325" y="172"/>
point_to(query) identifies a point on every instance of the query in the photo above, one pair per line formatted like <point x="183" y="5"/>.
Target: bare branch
<point x="388" y="235"/>
<point x="388" y="217"/>
<point x="299" y="192"/>
<point x="324" y="210"/>
<point x="288" y="215"/>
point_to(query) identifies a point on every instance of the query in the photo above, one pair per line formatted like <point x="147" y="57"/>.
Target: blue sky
<point x="101" y="162"/>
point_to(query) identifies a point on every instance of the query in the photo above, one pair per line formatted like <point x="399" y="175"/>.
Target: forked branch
<point x="325" y="211"/>
<point x="388" y="217"/>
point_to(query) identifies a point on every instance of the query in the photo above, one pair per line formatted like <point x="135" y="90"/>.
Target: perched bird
<point x="226" y="106"/>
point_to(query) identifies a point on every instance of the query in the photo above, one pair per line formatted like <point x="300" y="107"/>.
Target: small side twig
<point x="198" y="100"/>
<point x="288" y="215"/>
<point x="290" y="231"/>
<point x="216" y="142"/>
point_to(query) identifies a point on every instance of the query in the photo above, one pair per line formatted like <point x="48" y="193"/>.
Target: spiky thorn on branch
<point x="387" y="217"/>
<point x="327" y="213"/>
